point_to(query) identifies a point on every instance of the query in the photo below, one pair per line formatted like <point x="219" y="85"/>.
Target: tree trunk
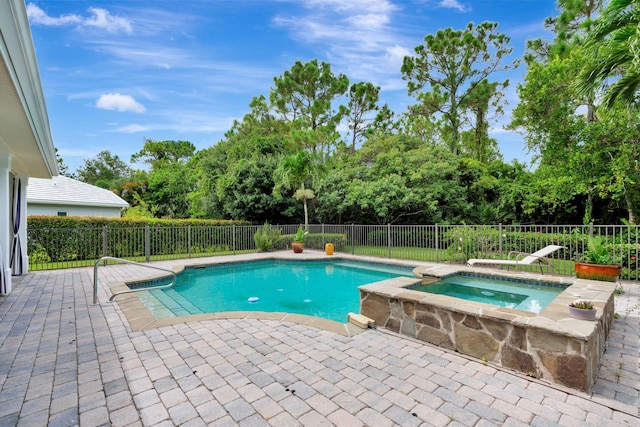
<point x="306" y="215"/>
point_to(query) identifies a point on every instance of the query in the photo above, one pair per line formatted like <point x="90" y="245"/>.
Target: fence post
<point x="323" y="234"/>
<point x="189" y="241"/>
<point x="104" y="241"/>
<point x="500" y="239"/>
<point x="437" y="243"/>
<point x="591" y="229"/>
<point x="353" y="240"/>
<point x="233" y="239"/>
<point x="147" y="243"/>
<point x="388" y="240"/>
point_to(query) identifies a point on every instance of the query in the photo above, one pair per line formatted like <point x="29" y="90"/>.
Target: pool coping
<point x="141" y="318"/>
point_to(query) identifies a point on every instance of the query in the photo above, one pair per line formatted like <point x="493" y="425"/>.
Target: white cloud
<point x="102" y="19"/>
<point x="98" y="18"/>
<point x="38" y="16"/>
<point x="454" y="4"/>
<point x="133" y="128"/>
<point x="119" y="102"/>
<point x="358" y="36"/>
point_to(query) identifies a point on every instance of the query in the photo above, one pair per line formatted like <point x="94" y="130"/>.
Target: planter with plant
<point x="298" y="240"/>
<point x="597" y="262"/>
<point x="583" y="310"/>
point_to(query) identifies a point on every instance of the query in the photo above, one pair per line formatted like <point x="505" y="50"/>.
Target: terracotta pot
<point x="297" y="247"/>
<point x="607" y="273"/>
<point x="582" y="313"/>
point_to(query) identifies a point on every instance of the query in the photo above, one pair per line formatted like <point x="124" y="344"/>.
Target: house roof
<point x="61" y="190"/>
<point x="24" y="124"/>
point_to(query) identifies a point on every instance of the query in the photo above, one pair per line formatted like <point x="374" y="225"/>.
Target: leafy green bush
<point x="268" y="238"/>
<point x="467" y="242"/>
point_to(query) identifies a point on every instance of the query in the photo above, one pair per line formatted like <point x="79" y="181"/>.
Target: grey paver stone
<point x="35" y="405"/>
<point x="36" y="419"/>
<point x="402" y="417"/>
<point x="124" y="416"/>
<point x="146" y="399"/>
<point x="371" y="417"/>
<point x="267" y="407"/>
<point x="349" y="403"/>
<point x="63" y="403"/>
<point x="239" y="409"/>
<point x="173" y="397"/>
<point x="458" y="414"/>
<point x="539" y="421"/>
<point x="225" y="394"/>
<point x="294" y="406"/>
<point x="182" y="413"/>
<point x="154" y="414"/>
<point x="211" y="411"/>
<point x="344" y="419"/>
<point x="95" y="417"/>
<point x="65" y="418"/>
<point x="284" y="420"/>
<point x="254" y="420"/>
<point x="485" y="412"/>
<point x="430" y="416"/>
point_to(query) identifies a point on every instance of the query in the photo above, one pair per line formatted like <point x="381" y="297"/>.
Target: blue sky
<point x="117" y="72"/>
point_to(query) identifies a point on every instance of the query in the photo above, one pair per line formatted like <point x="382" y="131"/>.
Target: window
<point x="62" y="213"/>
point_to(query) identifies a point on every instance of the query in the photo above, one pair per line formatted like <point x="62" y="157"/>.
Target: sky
<point x="117" y="72"/>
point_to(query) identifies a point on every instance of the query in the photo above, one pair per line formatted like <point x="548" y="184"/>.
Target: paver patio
<point x="65" y="362"/>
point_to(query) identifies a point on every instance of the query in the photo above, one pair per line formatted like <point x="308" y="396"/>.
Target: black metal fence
<point x="64" y="248"/>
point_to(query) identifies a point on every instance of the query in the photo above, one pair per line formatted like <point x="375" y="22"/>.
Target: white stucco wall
<point x="71" y="210"/>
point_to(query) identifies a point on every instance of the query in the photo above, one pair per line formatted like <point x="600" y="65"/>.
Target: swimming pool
<point x="322" y="288"/>
<point x="527" y="295"/>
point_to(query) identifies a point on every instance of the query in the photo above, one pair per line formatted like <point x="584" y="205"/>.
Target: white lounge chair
<point x="521" y="258"/>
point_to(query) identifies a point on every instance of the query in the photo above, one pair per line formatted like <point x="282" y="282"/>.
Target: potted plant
<point x="583" y="310"/>
<point x="597" y="263"/>
<point x="298" y="240"/>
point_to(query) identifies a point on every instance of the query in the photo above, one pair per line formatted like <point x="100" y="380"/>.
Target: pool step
<point x="360" y="321"/>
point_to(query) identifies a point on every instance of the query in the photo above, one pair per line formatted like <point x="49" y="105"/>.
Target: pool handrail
<point x="126" y="261"/>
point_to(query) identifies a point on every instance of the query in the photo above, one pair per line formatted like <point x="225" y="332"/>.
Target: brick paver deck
<point x="64" y="362"/>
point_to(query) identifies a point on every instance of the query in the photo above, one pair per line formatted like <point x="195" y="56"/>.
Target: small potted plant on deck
<point x="298" y="240"/>
<point x="583" y="310"/>
<point x="597" y="263"/>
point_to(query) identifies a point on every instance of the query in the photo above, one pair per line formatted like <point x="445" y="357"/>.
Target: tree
<point x="159" y="153"/>
<point x="170" y="179"/>
<point x="363" y="100"/>
<point x="481" y="101"/>
<point x="103" y="170"/>
<point x="245" y="192"/>
<point x="62" y="166"/>
<point x="303" y="96"/>
<point x="614" y="40"/>
<point x="296" y="172"/>
<point x="450" y="64"/>
<point x="570" y="27"/>
<point x="394" y="179"/>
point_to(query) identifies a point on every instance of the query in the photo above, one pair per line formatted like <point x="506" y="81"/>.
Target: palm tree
<point x="292" y="173"/>
<point x="616" y="53"/>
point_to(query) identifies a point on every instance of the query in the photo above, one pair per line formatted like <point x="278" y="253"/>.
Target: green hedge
<point x="55" y="239"/>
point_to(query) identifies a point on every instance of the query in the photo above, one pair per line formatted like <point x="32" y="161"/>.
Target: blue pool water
<point x="325" y="289"/>
<point x="527" y="295"/>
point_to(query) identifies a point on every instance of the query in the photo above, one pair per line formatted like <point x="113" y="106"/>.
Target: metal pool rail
<point x="106" y="258"/>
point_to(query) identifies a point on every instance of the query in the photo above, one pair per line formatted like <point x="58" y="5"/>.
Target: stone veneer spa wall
<point x="549" y="345"/>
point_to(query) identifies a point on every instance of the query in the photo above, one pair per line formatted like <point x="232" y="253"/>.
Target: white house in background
<point x="26" y="145"/>
<point x="62" y="196"/>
